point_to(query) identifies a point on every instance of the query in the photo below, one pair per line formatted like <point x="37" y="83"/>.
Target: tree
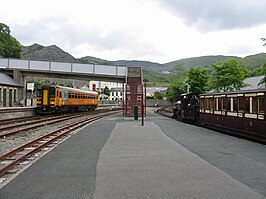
<point x="158" y="95"/>
<point x="229" y="75"/>
<point x="9" y="46"/>
<point x="263" y="69"/>
<point x="175" y="89"/>
<point x="106" y="91"/>
<point x="198" y="79"/>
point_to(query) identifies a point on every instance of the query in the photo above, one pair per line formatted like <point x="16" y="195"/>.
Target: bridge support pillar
<point x="22" y="94"/>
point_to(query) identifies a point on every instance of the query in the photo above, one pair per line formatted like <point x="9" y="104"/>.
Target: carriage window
<point x="241" y="104"/>
<point x="224" y="104"/>
<point x="228" y="104"/>
<point x="202" y="102"/>
<point x="219" y="104"/>
<point x="247" y="105"/>
<point x="254" y="105"/>
<point x="235" y="104"/>
<point x="211" y="103"/>
<point x="261" y="105"/>
<point x="69" y="95"/>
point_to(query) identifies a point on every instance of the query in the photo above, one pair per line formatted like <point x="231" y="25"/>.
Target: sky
<point x="152" y="30"/>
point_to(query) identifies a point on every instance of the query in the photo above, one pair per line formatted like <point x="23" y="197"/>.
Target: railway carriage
<point x="243" y="112"/>
<point x="57" y="99"/>
<point x="237" y="112"/>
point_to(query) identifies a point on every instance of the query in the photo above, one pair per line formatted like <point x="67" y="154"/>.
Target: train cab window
<point x="261" y="105"/>
<point x="52" y="92"/>
<point x="241" y="104"/>
<point x="39" y="92"/>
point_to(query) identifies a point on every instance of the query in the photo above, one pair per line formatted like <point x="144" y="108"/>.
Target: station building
<point x="10" y="91"/>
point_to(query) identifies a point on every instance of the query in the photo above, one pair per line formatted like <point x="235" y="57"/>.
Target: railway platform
<point x="117" y="158"/>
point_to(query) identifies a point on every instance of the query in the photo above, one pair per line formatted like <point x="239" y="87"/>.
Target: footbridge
<point x="21" y="68"/>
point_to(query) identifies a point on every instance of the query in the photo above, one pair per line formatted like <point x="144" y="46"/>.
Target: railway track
<point x="27" y="124"/>
<point x="11" y="159"/>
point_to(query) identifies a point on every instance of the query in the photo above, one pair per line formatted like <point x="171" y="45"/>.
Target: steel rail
<point x="67" y="129"/>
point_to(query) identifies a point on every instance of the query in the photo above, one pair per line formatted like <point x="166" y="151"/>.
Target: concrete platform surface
<point x="117" y="158"/>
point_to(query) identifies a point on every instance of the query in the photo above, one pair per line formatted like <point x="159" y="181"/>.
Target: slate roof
<point x="252" y="83"/>
<point x="8" y="81"/>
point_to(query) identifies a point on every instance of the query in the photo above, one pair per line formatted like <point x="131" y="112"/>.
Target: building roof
<point x="253" y="83"/>
<point x="8" y="81"/>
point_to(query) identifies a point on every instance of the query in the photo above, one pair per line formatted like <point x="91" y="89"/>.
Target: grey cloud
<point x="211" y="15"/>
<point x="48" y="31"/>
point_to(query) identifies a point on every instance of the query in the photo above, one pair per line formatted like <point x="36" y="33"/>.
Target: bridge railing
<point x="65" y="67"/>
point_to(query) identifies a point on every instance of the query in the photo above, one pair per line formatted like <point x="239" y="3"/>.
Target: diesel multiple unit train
<point x="241" y="112"/>
<point x="58" y="99"/>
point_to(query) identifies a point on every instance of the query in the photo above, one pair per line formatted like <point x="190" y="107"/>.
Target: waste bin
<point x="135" y="112"/>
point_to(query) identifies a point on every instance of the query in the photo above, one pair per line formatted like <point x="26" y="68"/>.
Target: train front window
<point x="52" y="92"/>
<point x="39" y="92"/>
<point x="261" y="105"/>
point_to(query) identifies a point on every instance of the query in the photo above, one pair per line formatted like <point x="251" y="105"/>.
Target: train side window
<point x="60" y="94"/>
<point x="78" y="96"/>
<point x="241" y="104"/>
<point x="224" y="104"/>
<point x="254" y="105"/>
<point x="202" y="103"/>
<point x="261" y="105"/>
<point x="69" y="95"/>
<point x="219" y="104"/>
<point x="228" y="104"/>
<point x="235" y="104"/>
<point x="211" y="103"/>
<point x="247" y="105"/>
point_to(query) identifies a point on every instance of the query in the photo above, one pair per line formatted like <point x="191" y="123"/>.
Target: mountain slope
<point x="50" y="53"/>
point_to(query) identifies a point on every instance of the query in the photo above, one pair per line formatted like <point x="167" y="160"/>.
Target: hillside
<point x="51" y="53"/>
<point x="157" y="74"/>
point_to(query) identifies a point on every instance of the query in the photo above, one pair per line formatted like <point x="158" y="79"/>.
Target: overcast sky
<point x="153" y="30"/>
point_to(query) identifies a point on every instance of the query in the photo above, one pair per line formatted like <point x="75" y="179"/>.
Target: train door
<point x="4" y="97"/>
<point x="58" y="98"/>
<point x="10" y="98"/>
